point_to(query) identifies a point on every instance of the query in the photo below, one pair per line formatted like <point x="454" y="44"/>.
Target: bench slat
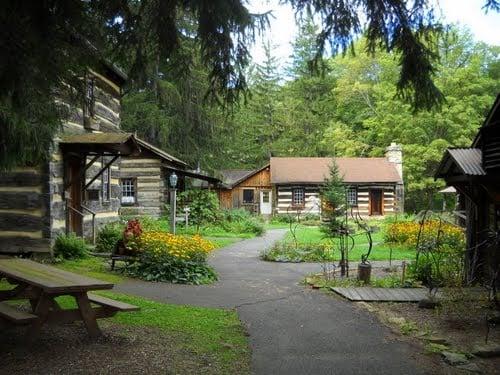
<point x="15" y="315"/>
<point x="108" y="302"/>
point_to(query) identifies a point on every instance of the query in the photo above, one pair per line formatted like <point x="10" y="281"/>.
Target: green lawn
<point x="205" y="231"/>
<point x="380" y="250"/>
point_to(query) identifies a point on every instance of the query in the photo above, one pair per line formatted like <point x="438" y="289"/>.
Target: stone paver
<point x="293" y="329"/>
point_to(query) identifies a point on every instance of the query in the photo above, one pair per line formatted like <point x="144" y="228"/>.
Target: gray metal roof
<point x="469" y="160"/>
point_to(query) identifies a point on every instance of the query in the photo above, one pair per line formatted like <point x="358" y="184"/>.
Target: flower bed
<point x="173" y="258"/>
<point x="408" y="232"/>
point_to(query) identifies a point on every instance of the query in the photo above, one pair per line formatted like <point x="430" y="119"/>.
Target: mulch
<point x="121" y="350"/>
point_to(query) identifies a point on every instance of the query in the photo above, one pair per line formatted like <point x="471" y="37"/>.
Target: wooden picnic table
<point x="41" y="284"/>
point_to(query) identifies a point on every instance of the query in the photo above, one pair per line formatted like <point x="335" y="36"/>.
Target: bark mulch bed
<point x="121" y="350"/>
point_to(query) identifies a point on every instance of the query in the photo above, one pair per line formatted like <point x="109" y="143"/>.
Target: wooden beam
<point x="100" y="172"/>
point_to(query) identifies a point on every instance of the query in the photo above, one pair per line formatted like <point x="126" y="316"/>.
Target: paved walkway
<point x="293" y="329"/>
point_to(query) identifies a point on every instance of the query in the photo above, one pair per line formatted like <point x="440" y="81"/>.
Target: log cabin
<point x="248" y="189"/>
<point x="78" y="187"/>
<point x="144" y="180"/>
<point x="474" y="172"/>
<point x="94" y="170"/>
<point x="288" y="185"/>
<point x="374" y="186"/>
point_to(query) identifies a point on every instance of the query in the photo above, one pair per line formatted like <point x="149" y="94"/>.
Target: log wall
<point x="150" y="186"/>
<point x="32" y="207"/>
<point x="24" y="211"/>
<point x="283" y="201"/>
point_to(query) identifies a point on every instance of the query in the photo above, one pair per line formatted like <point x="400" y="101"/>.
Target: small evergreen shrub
<point x="70" y="247"/>
<point x="108" y="236"/>
<point x="241" y="221"/>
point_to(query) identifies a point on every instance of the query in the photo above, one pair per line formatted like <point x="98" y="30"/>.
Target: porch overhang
<point x="105" y="144"/>
<point x="199" y="176"/>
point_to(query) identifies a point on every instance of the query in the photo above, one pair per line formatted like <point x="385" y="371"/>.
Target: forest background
<point x="351" y="109"/>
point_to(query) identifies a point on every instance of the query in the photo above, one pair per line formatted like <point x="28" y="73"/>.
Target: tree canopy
<point x="48" y="44"/>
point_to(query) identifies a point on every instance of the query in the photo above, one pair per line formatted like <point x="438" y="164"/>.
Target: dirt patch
<point x="121" y="350"/>
<point x="433" y="329"/>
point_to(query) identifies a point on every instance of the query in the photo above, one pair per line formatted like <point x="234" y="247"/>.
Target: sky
<point x="469" y="13"/>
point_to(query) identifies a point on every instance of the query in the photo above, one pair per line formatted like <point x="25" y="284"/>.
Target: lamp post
<point x="173" y="196"/>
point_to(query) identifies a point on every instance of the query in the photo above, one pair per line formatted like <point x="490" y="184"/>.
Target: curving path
<point x="293" y="329"/>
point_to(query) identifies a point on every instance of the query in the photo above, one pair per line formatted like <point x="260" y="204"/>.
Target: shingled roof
<point x="315" y="170"/>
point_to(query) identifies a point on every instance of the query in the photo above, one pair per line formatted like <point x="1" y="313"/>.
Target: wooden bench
<point x="115" y="255"/>
<point x="14" y="315"/>
<point x="111" y="303"/>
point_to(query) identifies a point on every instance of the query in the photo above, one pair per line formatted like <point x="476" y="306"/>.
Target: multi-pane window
<point x="128" y="191"/>
<point x="248" y="195"/>
<point x="105" y="183"/>
<point x="265" y="197"/>
<point x="298" y="197"/>
<point x="352" y="196"/>
<point x="89" y="101"/>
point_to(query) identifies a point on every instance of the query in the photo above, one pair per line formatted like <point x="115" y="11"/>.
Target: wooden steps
<point x="369" y="294"/>
<point x="14" y="315"/>
<point x="111" y="303"/>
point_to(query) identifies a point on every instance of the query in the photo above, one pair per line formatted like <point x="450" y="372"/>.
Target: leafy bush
<point x="438" y="267"/>
<point x="172" y="258"/>
<point x="304" y="252"/>
<point x="241" y="221"/>
<point x="70" y="247"/>
<point x="149" y="224"/>
<point x="203" y="205"/>
<point x="283" y="219"/>
<point x="108" y="236"/>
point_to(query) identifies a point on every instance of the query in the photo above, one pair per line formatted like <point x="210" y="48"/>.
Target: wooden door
<point x="376" y="202"/>
<point x="74" y="170"/>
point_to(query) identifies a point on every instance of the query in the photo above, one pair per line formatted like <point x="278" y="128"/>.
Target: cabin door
<point x="265" y="202"/>
<point x="376" y="202"/>
<point x="74" y="196"/>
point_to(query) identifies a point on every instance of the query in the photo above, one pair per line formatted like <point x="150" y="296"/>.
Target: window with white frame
<point x="352" y="196"/>
<point x="298" y="197"/>
<point x="128" y="191"/>
<point x="105" y="183"/>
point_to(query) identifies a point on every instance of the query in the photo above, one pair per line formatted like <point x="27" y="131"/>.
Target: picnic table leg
<point x="88" y="315"/>
<point x="42" y="311"/>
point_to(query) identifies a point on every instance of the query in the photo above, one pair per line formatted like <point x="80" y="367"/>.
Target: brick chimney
<point x="394" y="154"/>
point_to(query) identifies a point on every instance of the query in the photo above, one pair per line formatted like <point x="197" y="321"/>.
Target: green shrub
<point x="149" y="224"/>
<point x="171" y="269"/>
<point x="203" y="205"/>
<point x="439" y="267"/>
<point x="70" y="247"/>
<point x="287" y="252"/>
<point x="283" y="219"/>
<point x="241" y="221"/>
<point x="108" y="236"/>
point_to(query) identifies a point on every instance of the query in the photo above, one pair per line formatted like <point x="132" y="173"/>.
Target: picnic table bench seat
<point x="14" y="315"/>
<point x="111" y="303"/>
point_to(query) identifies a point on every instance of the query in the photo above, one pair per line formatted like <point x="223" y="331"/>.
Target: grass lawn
<point x="206" y="231"/>
<point x="380" y="250"/>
